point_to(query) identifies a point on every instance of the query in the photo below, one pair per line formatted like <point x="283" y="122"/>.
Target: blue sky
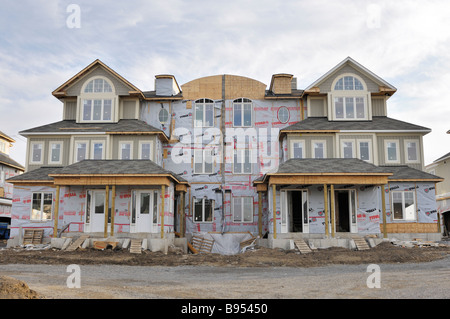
<point x="407" y="43"/>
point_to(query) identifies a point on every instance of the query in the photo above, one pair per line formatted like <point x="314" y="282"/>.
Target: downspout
<point x="222" y="165"/>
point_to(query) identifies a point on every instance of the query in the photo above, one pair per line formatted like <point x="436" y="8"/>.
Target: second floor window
<point x="204" y="113"/>
<point x="319" y="149"/>
<point x="242" y="113"/>
<point x="203" y="161"/>
<point x="349" y="99"/>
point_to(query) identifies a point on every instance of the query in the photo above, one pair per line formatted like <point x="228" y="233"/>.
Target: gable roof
<point x="446" y="156"/>
<point x="8" y="161"/>
<point x="60" y="91"/>
<point x="358" y="67"/>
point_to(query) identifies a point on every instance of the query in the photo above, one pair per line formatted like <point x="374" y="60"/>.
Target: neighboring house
<point x="441" y="167"/>
<point x="8" y="168"/>
<point x="226" y="154"/>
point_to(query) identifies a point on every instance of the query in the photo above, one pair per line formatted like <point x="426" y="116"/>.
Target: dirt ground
<point x="258" y="257"/>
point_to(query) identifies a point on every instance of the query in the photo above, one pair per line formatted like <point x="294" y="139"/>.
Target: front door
<point x="95" y="211"/>
<point x="345" y="211"/>
<point x="145" y="211"/>
<point x="294" y="210"/>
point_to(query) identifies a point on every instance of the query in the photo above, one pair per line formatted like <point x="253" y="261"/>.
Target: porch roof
<point x="406" y="173"/>
<point x="326" y="171"/>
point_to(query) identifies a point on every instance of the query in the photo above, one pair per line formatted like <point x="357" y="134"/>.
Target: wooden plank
<point x="202" y="245"/>
<point x="33" y="236"/>
<point x="360" y="243"/>
<point x="136" y="245"/>
<point x="77" y="243"/>
<point x="302" y="246"/>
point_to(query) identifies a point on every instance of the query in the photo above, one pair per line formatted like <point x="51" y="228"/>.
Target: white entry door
<point x="95" y="211"/>
<point x="145" y="211"/>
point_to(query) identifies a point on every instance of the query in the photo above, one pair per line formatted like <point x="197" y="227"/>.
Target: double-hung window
<point x="412" y="151"/>
<point x="242" y="113"/>
<point x="55" y="156"/>
<point x="41" y="206"/>
<point x="242" y="161"/>
<point x="203" y="161"/>
<point x="403" y="205"/>
<point x="349" y="99"/>
<point x="145" y="150"/>
<point x="243" y="209"/>
<point x="318" y="149"/>
<point x="297" y="149"/>
<point x="391" y="150"/>
<point x="125" y="150"/>
<point x="81" y="151"/>
<point x="348" y="149"/>
<point x="204" y="113"/>
<point x="37" y="149"/>
<point x="98" y="151"/>
<point x="203" y="210"/>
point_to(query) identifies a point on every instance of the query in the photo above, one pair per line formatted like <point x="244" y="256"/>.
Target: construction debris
<point x="416" y="242"/>
<point x="136" y="246"/>
<point x="202" y="245"/>
<point x="360" y="243"/>
<point x="77" y="243"/>
<point x="33" y="236"/>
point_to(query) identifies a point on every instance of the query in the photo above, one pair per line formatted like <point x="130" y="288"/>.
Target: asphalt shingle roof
<point x="408" y="173"/>
<point x="6" y="160"/>
<point x="328" y="165"/>
<point x="72" y="126"/>
<point x="378" y="123"/>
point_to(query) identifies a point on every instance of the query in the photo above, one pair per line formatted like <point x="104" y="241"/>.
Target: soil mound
<point x="11" y="288"/>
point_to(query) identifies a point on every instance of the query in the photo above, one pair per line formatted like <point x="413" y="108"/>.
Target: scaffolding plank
<point x="77" y="243"/>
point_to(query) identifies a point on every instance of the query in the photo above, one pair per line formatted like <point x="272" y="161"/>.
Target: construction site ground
<point x="42" y="273"/>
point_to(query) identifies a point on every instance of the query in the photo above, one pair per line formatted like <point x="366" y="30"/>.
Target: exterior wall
<point x="379" y="106"/>
<point x="401" y="138"/>
<point x="135" y="140"/>
<point x="317" y="107"/>
<point x="6" y="190"/>
<point x="309" y="139"/>
<point x="442" y="169"/>
<point x="70" y="110"/>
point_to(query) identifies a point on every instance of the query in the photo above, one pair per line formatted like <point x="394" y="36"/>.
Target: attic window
<point x="98" y="86"/>
<point x="349" y="83"/>
<point x="350" y="99"/>
<point x="97" y="101"/>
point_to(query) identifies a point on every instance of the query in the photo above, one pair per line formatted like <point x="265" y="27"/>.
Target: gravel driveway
<point x="406" y="280"/>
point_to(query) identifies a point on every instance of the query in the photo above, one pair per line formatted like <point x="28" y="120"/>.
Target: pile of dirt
<point x="258" y="257"/>
<point x="11" y="288"/>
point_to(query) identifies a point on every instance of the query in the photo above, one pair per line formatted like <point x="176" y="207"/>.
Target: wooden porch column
<point x="56" y="213"/>
<point x="113" y="208"/>
<point x="105" y="234"/>
<point x="274" y="207"/>
<point x="163" y="199"/>
<point x="325" y="200"/>
<point x="332" y="210"/>
<point x="383" y="209"/>
<point x="260" y="214"/>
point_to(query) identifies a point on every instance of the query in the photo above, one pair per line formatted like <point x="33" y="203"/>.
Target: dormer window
<point x="349" y="99"/>
<point x="97" y="101"/>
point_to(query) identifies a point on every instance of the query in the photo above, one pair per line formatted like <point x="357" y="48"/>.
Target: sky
<point x="43" y="43"/>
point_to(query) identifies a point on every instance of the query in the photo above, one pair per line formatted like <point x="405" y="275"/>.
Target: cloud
<point x="407" y="43"/>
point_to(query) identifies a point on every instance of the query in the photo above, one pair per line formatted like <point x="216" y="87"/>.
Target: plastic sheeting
<point x="225" y="244"/>
<point x="222" y="187"/>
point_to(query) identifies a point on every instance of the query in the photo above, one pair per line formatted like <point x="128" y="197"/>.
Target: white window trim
<point x="278" y="114"/>
<point x="405" y="145"/>
<point x="131" y="148"/>
<point x="242" y="151"/>
<point x="204" y="113"/>
<point x="168" y="117"/>
<point x="203" y="210"/>
<point x="358" y="149"/>
<point x="42" y="206"/>
<point x="403" y="206"/>
<point x="386" y="158"/>
<point x="203" y="151"/>
<point x="93" y="150"/>
<point x="61" y="145"/>
<point x="97" y="96"/>
<point x="151" y="149"/>
<point x="41" y="161"/>
<point x="291" y="151"/>
<point x="353" y="147"/>
<point x="242" y="112"/>
<point x="313" y="153"/>
<point x="75" y="160"/>
<point x="241" y="198"/>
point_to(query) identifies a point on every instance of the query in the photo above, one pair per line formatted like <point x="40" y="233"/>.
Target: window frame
<point x="42" y="148"/>
<point x="92" y="147"/>
<point x="242" y="102"/>
<point x="203" y="203"/>
<point x="50" y="152"/>
<point x="242" y="210"/>
<point x="303" y="143"/>
<point x="243" y="151"/>
<point x="353" y="94"/>
<point x="288" y="114"/>
<point x="397" y="151"/>
<point x="167" y="121"/>
<point x="120" y="155"/>
<point x="99" y="96"/>
<point x="403" y="206"/>
<point x="86" y="142"/>
<point x="353" y="143"/>
<point x="313" y="150"/>
<point x="43" y="193"/>
<point x="358" y="149"/>
<point x="141" y="143"/>
<point x="405" y="145"/>
<point x="203" y="151"/>
<point x="204" y="104"/>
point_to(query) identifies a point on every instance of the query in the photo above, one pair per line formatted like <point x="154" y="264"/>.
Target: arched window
<point x="349" y="98"/>
<point x="204" y="113"/>
<point x="242" y="112"/>
<point x="97" y="101"/>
